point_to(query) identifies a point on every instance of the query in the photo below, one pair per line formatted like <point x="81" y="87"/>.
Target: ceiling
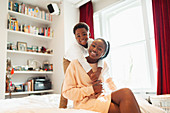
<point x="78" y="3"/>
<point x="74" y="1"/>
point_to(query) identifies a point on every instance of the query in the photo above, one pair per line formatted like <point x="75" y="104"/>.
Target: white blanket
<point x="49" y="104"/>
<point x="37" y="104"/>
<point x="145" y="107"/>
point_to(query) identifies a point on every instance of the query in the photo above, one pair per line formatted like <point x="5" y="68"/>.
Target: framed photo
<point x="22" y="46"/>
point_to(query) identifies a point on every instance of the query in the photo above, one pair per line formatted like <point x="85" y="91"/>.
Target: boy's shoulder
<point x="74" y="62"/>
<point x="75" y="45"/>
<point x="90" y="40"/>
<point x="75" y="48"/>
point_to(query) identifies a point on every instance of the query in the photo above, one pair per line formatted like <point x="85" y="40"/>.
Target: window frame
<point x="104" y="16"/>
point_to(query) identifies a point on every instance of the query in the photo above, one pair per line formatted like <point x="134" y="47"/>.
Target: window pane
<point x="129" y="66"/>
<point x="96" y="26"/>
<point x="126" y="26"/>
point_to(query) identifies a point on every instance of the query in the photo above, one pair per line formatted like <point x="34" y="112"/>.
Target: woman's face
<point x="97" y="49"/>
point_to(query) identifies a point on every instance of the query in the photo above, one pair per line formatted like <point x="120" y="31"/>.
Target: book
<point x="22" y="8"/>
<point x="10" y="5"/>
<point x="16" y="7"/>
<point x="48" y="32"/>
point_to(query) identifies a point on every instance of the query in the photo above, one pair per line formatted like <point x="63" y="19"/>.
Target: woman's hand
<point x="94" y="75"/>
<point x="97" y="87"/>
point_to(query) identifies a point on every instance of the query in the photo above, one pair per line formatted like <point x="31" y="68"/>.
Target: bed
<point x="49" y="104"/>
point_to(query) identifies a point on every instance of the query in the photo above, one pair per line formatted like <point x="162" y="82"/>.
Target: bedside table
<point x="162" y="101"/>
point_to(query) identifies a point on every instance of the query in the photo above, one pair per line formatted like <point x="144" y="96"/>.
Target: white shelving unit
<point x="29" y="18"/>
<point x="28" y="53"/>
<point x="57" y="43"/>
<point x="28" y="34"/>
<point x="21" y="57"/>
<point x="33" y="72"/>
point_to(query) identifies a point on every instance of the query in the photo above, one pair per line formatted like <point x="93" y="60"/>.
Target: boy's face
<point x="82" y="36"/>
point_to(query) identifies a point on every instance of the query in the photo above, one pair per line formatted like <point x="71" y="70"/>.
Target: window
<point x="129" y="28"/>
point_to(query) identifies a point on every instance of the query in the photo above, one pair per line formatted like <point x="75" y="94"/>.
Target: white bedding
<point x="49" y="104"/>
<point x="37" y="104"/>
<point x="145" y="107"/>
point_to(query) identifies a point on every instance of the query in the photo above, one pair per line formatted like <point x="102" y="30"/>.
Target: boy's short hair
<point x="81" y="25"/>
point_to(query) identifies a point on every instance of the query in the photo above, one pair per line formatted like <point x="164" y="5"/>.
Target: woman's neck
<point x="89" y="60"/>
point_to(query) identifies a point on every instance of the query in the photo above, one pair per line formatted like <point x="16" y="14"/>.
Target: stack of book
<point x="27" y="10"/>
<point x="14" y="25"/>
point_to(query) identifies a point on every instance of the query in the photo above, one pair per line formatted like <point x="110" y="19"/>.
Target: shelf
<point x="29" y="18"/>
<point x="28" y="34"/>
<point x="33" y="72"/>
<point x="29" y="92"/>
<point x="28" y="53"/>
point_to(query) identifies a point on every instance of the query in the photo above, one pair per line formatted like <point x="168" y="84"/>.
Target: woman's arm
<point x="70" y="86"/>
<point x="111" y="84"/>
<point x="77" y="94"/>
<point x="107" y="78"/>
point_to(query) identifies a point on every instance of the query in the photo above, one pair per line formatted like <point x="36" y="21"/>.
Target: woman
<point x="94" y="96"/>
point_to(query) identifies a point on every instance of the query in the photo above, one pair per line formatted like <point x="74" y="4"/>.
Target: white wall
<point x="71" y="17"/>
<point x="63" y="38"/>
<point x="3" y="43"/>
<point x="101" y="4"/>
<point x="58" y="47"/>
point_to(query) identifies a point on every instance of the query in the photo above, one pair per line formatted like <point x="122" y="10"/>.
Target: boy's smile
<point x="82" y="36"/>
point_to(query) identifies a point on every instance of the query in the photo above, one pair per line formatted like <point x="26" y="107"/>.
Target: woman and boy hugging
<point x="86" y="81"/>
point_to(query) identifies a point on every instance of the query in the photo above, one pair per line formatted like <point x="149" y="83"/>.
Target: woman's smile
<point x="94" y="54"/>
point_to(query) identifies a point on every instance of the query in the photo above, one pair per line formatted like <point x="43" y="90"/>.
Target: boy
<point x="79" y="50"/>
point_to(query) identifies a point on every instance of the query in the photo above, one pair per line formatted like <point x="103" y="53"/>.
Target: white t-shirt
<point x="76" y="51"/>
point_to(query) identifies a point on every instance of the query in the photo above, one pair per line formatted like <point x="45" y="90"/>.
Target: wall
<point x="71" y="17"/>
<point x="101" y="4"/>
<point x="3" y="43"/>
<point x="64" y="37"/>
<point x="58" y="46"/>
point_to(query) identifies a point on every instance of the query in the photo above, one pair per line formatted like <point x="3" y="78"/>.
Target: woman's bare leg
<point x="114" y="108"/>
<point x="126" y="101"/>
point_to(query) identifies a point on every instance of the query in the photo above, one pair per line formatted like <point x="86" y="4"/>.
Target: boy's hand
<point x="94" y="75"/>
<point x="89" y="73"/>
<point x="97" y="87"/>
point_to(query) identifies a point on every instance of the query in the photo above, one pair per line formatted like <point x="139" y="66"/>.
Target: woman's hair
<point x="81" y="25"/>
<point x="107" y="49"/>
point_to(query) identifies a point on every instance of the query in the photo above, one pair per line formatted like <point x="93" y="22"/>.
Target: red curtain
<point x="161" y="16"/>
<point x="86" y="15"/>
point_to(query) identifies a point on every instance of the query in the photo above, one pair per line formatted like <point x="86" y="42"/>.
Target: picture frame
<point x="22" y="46"/>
